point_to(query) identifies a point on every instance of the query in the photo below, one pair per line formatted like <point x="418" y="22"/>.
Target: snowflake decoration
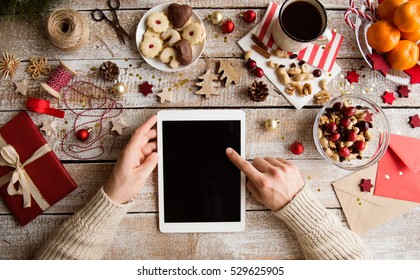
<point x="8" y="65"/>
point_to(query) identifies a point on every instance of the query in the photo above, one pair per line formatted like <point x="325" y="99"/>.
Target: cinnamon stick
<point x="259" y="42"/>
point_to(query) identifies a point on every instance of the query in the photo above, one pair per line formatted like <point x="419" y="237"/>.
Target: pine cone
<point x="258" y="91"/>
<point x="109" y="71"/>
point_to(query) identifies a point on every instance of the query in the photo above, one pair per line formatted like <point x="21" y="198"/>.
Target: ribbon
<point x="27" y="188"/>
<point x="43" y="107"/>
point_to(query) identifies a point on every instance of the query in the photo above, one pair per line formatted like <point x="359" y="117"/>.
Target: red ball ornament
<point x="83" y="134"/>
<point x="258" y="72"/>
<point x="250" y="16"/>
<point x="228" y="26"/>
<point x="297" y="148"/>
<point x="251" y="64"/>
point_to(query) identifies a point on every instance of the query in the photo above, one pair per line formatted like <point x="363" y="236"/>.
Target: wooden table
<point x="265" y="237"/>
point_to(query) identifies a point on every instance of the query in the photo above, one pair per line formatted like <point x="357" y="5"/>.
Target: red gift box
<point x="40" y="178"/>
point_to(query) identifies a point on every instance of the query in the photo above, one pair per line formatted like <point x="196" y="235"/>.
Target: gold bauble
<point x="271" y="124"/>
<point x="215" y="17"/>
<point x="119" y="88"/>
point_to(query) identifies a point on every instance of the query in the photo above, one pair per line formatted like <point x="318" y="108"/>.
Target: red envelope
<point x="398" y="173"/>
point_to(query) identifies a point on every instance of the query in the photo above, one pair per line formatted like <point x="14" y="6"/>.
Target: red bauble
<point x="249" y="16"/>
<point x="258" y="72"/>
<point x="228" y="26"/>
<point x="297" y="148"/>
<point x="251" y="64"/>
<point x="82" y="134"/>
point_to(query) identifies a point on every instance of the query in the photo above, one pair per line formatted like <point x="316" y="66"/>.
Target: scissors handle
<point x="114" y="4"/>
<point x="98" y="15"/>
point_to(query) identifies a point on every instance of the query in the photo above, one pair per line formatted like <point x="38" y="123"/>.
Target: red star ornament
<point x="388" y="97"/>
<point x="368" y="116"/>
<point x="414" y="121"/>
<point x="145" y="88"/>
<point x="352" y="77"/>
<point x="414" y="73"/>
<point x="379" y="63"/>
<point x="403" y="91"/>
<point x="366" y="185"/>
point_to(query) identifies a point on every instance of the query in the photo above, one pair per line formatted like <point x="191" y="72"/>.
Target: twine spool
<point x="67" y="29"/>
<point x="59" y="79"/>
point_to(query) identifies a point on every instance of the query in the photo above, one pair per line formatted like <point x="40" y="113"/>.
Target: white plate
<point x="155" y="62"/>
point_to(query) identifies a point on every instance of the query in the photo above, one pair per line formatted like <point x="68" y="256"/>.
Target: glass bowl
<point x="375" y="148"/>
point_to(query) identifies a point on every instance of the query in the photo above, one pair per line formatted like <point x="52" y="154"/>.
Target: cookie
<point x="158" y="22"/>
<point x="183" y="27"/>
<point x="184" y="51"/>
<point x="151" y="47"/>
<point x="179" y="14"/>
<point x="150" y="33"/>
<point x="169" y="55"/>
<point x="193" y="33"/>
<point x="172" y="36"/>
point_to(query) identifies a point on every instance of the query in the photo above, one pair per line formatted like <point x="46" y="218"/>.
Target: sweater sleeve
<point x="89" y="233"/>
<point x="320" y="233"/>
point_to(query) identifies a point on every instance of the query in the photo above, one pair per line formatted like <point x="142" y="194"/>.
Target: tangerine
<point x="407" y="16"/>
<point x="383" y="36"/>
<point x="404" y="56"/>
<point x="411" y="36"/>
<point x="387" y="9"/>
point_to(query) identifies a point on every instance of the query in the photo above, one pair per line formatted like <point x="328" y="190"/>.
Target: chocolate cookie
<point x="178" y="15"/>
<point x="183" y="51"/>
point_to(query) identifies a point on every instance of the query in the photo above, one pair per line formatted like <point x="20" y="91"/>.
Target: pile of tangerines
<point x="397" y="32"/>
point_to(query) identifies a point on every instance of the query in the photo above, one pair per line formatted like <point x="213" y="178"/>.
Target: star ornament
<point x="403" y="91"/>
<point x="165" y="95"/>
<point x="118" y="126"/>
<point x="366" y="185"/>
<point x="414" y="73"/>
<point x="379" y="63"/>
<point x="145" y="88"/>
<point x="414" y="121"/>
<point x="22" y="87"/>
<point x="48" y="127"/>
<point x="368" y="116"/>
<point x="352" y="77"/>
<point x="388" y="97"/>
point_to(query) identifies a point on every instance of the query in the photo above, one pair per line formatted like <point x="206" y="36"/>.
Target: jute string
<point x="67" y="29"/>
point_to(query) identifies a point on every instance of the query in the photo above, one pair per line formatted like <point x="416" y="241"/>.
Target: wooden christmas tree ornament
<point x="207" y="85"/>
<point x="230" y="73"/>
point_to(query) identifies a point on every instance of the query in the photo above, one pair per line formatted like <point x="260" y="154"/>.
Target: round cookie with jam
<point x="158" y="22"/>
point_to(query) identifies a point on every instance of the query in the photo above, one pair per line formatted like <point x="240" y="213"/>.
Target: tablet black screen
<point x="200" y="183"/>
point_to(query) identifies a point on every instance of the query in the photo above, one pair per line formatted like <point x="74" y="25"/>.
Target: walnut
<point x="306" y="89"/>
<point x="322" y="97"/>
<point x="323" y="120"/>
<point x="291" y="88"/>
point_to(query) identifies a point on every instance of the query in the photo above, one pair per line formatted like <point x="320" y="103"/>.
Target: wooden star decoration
<point x="414" y="73"/>
<point x="22" y="87"/>
<point x="388" y="97"/>
<point x="352" y="77"/>
<point x="366" y="185"/>
<point x="403" y="91"/>
<point x="145" y="88"/>
<point x="48" y="127"/>
<point x="165" y="95"/>
<point x="414" y="121"/>
<point x="379" y="63"/>
<point x="118" y="125"/>
<point x="368" y="116"/>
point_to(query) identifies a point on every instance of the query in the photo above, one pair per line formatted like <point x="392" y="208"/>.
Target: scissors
<point x="114" y="5"/>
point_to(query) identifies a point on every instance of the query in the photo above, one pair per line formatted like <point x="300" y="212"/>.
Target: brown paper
<point x="363" y="210"/>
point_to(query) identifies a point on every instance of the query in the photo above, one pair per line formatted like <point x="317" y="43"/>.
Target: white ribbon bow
<point x="27" y="188"/>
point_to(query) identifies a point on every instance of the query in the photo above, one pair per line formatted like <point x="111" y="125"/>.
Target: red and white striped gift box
<point x="319" y="56"/>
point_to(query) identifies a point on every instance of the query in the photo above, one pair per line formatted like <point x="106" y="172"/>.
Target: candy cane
<point x="359" y="12"/>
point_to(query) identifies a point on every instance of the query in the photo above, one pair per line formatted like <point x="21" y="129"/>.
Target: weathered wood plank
<point x="28" y="39"/>
<point x="259" y="141"/>
<point x="265" y="237"/>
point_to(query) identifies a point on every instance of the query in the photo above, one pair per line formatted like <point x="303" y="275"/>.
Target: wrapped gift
<point x="32" y="178"/>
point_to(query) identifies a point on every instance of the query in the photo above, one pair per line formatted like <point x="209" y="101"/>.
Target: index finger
<point x="247" y="168"/>
<point x="140" y="133"/>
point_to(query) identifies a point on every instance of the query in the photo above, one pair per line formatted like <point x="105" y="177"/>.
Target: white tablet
<point x="200" y="190"/>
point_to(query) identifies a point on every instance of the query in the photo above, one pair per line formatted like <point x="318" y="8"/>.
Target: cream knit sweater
<point x="89" y="233"/>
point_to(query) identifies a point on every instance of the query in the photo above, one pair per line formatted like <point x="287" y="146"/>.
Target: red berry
<point x="331" y="127"/>
<point x="258" y="72"/>
<point x="251" y="64"/>
<point x="297" y="148"/>
<point x="351" y="136"/>
<point x="345" y="121"/>
<point x="344" y="152"/>
<point x="250" y="16"/>
<point x="228" y="26"/>
<point x="349" y="111"/>
<point x="335" y="136"/>
<point x="317" y="73"/>
<point x="360" y="145"/>
<point x="337" y="106"/>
